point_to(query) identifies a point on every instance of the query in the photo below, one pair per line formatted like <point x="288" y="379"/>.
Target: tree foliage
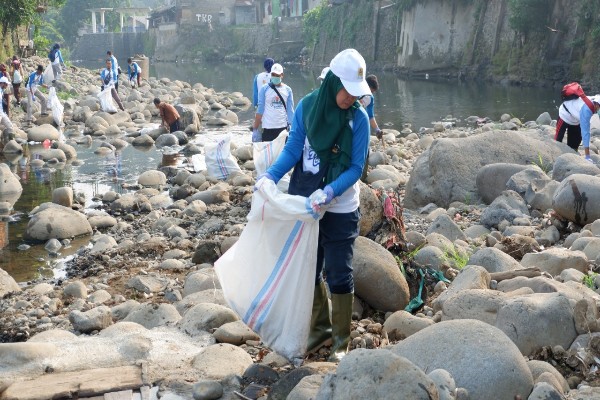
<point x="529" y="16"/>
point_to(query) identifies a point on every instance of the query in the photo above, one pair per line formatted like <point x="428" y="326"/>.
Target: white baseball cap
<point x="277" y="69"/>
<point x="324" y="73"/>
<point x="594" y="99"/>
<point x="4" y="80"/>
<point x="351" y="68"/>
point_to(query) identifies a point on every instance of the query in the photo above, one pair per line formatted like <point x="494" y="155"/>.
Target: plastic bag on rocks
<point x="268" y="275"/>
<point x="265" y="154"/>
<point x="106" y="100"/>
<point x="56" y="107"/>
<point x="220" y="163"/>
<point x="48" y="75"/>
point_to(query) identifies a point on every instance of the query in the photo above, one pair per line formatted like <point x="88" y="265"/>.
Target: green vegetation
<point x="589" y="280"/>
<point x="544" y="166"/>
<point x="528" y="16"/>
<point x="456" y="258"/>
<point x="311" y="23"/>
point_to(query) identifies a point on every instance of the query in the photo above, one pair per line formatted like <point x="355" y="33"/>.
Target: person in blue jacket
<point x="585" y="117"/>
<point x="327" y="147"/>
<point x="108" y="76"/>
<point x="56" y="61"/>
<point x="261" y="79"/>
<point x="134" y="72"/>
<point x="35" y="80"/>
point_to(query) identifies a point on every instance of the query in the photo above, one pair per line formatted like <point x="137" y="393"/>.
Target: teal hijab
<point x="328" y="128"/>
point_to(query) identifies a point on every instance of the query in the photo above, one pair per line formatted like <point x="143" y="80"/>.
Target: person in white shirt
<point x="275" y="107"/>
<point x="8" y="126"/>
<point x="261" y="79"/>
<point x="34" y="81"/>
<point x="56" y="61"/>
<point x="109" y="80"/>
<point x="574" y="119"/>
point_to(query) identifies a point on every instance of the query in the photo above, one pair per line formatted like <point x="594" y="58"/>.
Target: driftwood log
<point x="526" y="272"/>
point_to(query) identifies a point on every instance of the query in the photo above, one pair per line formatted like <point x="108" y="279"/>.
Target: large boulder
<point x="491" y="179"/>
<point x="189" y="115"/>
<point x="494" y="260"/>
<point x="555" y="260"/>
<point x="444" y="225"/>
<point x="570" y="164"/>
<point x="377" y="277"/>
<point x="447" y="171"/>
<point x="480" y="358"/>
<point x="471" y="277"/>
<point x="221" y="360"/>
<point x="42" y="132"/>
<point x="53" y="221"/>
<point x="576" y="198"/>
<point x="153" y="315"/>
<point x="7" y="284"/>
<point x="9" y="183"/>
<point x="540" y="193"/>
<point x="152" y="178"/>
<point x="377" y="374"/>
<point x="520" y="181"/>
<point x="508" y="206"/>
<point x="370" y="208"/>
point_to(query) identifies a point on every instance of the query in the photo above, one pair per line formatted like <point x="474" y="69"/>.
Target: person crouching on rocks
<point x="327" y="148"/>
<point x="168" y="114"/>
<point x="109" y="80"/>
<point x="35" y="80"/>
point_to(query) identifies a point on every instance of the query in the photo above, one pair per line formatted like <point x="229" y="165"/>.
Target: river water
<point x="418" y="102"/>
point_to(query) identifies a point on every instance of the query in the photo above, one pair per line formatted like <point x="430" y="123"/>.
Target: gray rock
<point x="221" y="360"/>
<point x="200" y="280"/>
<point x="478" y="304"/>
<point x="476" y="231"/>
<point x="307" y="388"/>
<point x="540" y="193"/>
<point x="102" y="244"/>
<point x="212" y="296"/>
<point x="544" y="119"/>
<point x="575" y="197"/>
<point x="555" y="260"/>
<point x="99" y="297"/>
<point x="494" y="260"/>
<point x="537" y="320"/>
<point x="172" y="265"/>
<point x="432" y="257"/>
<point x="236" y="333"/>
<point x="10" y="183"/>
<point x="207" y="390"/>
<point x="571" y="274"/>
<point x="166" y="139"/>
<point x="153" y="315"/>
<point x="447" y="171"/>
<point x="204" y="317"/>
<point x="520" y="181"/>
<point x="370" y="209"/>
<point x="570" y="164"/>
<point x="471" y="277"/>
<point x="403" y="324"/>
<point x="42" y="132"/>
<point x="444" y="382"/>
<point x="494" y="369"/>
<point x="95" y="319"/>
<point x="143" y="141"/>
<point x="122" y="310"/>
<point x="586" y="316"/>
<point x="207" y="251"/>
<point x="508" y="206"/>
<point x="377" y="277"/>
<point x="147" y="283"/>
<point x="537" y="368"/>
<point x="7" y="284"/>
<point x="548" y="236"/>
<point x="195" y="208"/>
<point x="359" y="376"/>
<point x="545" y="391"/>
<point x="491" y="179"/>
<point x="445" y="226"/>
<point x="102" y="221"/>
<point x="152" y="178"/>
<point x="54" y="221"/>
<point x="76" y="289"/>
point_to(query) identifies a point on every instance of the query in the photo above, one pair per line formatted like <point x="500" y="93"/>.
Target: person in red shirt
<point x="169" y="115"/>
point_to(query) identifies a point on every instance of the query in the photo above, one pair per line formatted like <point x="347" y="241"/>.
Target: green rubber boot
<point x="341" y="316"/>
<point x="320" y="324"/>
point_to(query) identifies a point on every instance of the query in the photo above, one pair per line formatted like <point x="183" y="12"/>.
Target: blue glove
<point x="329" y="192"/>
<point x="256" y="135"/>
<point x="265" y="175"/>
<point x="589" y="159"/>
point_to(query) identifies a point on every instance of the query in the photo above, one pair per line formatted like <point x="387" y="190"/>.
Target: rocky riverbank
<point x="506" y="214"/>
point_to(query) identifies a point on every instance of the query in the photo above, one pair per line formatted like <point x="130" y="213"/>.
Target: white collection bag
<point x="106" y="100"/>
<point x="264" y="155"/>
<point x="48" y="74"/>
<point x="220" y="163"/>
<point x="268" y="275"/>
<point x="56" y="107"/>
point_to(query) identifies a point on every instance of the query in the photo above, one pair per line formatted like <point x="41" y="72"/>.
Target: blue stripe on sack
<point x="278" y="265"/>
<point x="263" y="316"/>
<point x="310" y="210"/>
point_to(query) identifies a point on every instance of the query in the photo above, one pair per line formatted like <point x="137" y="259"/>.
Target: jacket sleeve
<point x="255" y="91"/>
<point x="585" y="115"/>
<point x="290" y="105"/>
<point x="261" y="99"/>
<point x="360" y="147"/>
<point x="60" y="57"/>
<point x="292" y="151"/>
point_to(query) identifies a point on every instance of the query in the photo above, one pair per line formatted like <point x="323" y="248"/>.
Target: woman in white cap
<point x="327" y="147"/>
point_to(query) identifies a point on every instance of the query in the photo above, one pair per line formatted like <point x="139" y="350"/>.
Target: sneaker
<point x="44" y="114"/>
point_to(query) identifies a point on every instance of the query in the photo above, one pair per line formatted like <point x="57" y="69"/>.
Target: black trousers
<point x="269" y="135"/>
<point x="573" y="133"/>
<point x="174" y="127"/>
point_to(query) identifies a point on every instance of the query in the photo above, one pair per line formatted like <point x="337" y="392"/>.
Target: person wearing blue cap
<point x="261" y="79"/>
<point x="56" y="61"/>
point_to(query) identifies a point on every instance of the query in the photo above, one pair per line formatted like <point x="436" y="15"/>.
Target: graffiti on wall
<point x="204" y="18"/>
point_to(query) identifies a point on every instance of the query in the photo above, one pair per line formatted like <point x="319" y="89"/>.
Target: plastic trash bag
<point x="106" y="100"/>
<point x="268" y="275"/>
<point x="55" y="105"/>
<point x="265" y="154"/>
<point x="48" y="74"/>
<point x="220" y="163"/>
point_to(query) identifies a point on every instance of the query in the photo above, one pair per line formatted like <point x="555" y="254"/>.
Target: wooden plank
<point x="86" y="383"/>
<point x="122" y="395"/>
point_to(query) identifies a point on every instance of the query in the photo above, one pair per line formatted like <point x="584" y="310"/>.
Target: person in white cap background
<point x="275" y="107"/>
<point x="4" y="120"/>
<point x="327" y="147"/>
<point x="574" y="119"/>
<point x="323" y="74"/>
<point x="261" y="79"/>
